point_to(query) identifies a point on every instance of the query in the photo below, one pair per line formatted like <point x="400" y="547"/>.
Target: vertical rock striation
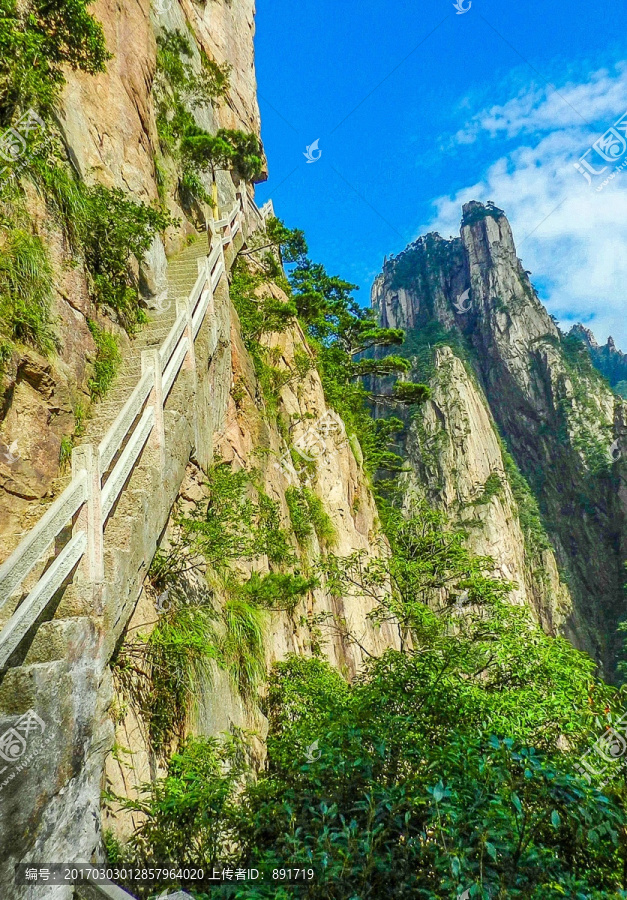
<point x="513" y="395"/>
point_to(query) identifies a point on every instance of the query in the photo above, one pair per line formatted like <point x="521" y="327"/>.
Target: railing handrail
<point x="87" y="494"/>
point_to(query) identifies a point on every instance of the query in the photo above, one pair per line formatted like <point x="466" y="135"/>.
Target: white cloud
<point x="573" y="238"/>
<point x="600" y="99"/>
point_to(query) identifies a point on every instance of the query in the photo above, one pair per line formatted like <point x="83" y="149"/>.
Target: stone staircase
<point x="182" y="273"/>
<point x="51" y="640"/>
<point x="60" y="672"/>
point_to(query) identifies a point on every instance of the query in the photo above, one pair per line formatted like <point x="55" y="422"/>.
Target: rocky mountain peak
<point x="607" y="358"/>
<point x="584" y="334"/>
<point x="554" y="412"/>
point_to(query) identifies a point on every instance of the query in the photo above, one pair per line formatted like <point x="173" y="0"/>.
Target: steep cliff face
<point x="109" y="119"/>
<point x="557" y="417"/>
<point x="459" y="464"/>
<point x="108" y="129"/>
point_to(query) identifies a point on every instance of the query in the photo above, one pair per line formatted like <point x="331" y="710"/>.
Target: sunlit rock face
<point x="509" y="371"/>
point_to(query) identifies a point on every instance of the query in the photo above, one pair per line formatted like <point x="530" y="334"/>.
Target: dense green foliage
<point x="38" y="38"/>
<point x="227" y="149"/>
<point x="477" y="213"/>
<point x="420" y="345"/>
<point x="237" y="522"/>
<point x="448" y="764"/>
<point x="107" y="361"/>
<point x="259" y="312"/>
<point x="340" y="334"/>
<point x="106" y="230"/>
<point x="308" y="516"/>
<point x="115" y="230"/>
<point x="289" y="241"/>
<point x="187" y="816"/>
<point x="25" y="290"/>
<point x="427" y="784"/>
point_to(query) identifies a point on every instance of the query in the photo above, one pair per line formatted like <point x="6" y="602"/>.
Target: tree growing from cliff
<point x="343" y="330"/>
<point x="205" y="152"/>
<point x="227" y="149"/>
<point x="289" y="244"/>
<point x="179" y="88"/>
<point x="247" y="152"/>
<point x="339" y="331"/>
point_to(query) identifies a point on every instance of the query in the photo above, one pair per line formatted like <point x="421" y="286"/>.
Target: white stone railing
<point x="100" y="473"/>
<point x="267" y="210"/>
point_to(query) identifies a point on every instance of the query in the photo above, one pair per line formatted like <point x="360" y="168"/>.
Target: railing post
<point x="89" y="517"/>
<point x="203" y="265"/>
<point x="222" y="260"/>
<point x="216" y="238"/>
<point x="183" y="307"/>
<point x="228" y="231"/>
<point x="151" y="362"/>
<point x="243" y="199"/>
<point x="203" y="262"/>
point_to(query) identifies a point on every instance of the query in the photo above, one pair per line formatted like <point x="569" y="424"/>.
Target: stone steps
<point x="62" y="675"/>
<point x="182" y="275"/>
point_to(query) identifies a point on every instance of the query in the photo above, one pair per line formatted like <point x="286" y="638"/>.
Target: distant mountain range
<point x="608" y="359"/>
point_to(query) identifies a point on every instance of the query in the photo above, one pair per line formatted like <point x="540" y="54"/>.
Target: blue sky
<point x="418" y="108"/>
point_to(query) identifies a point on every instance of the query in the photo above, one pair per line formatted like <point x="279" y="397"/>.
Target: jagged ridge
<point x="557" y="416"/>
